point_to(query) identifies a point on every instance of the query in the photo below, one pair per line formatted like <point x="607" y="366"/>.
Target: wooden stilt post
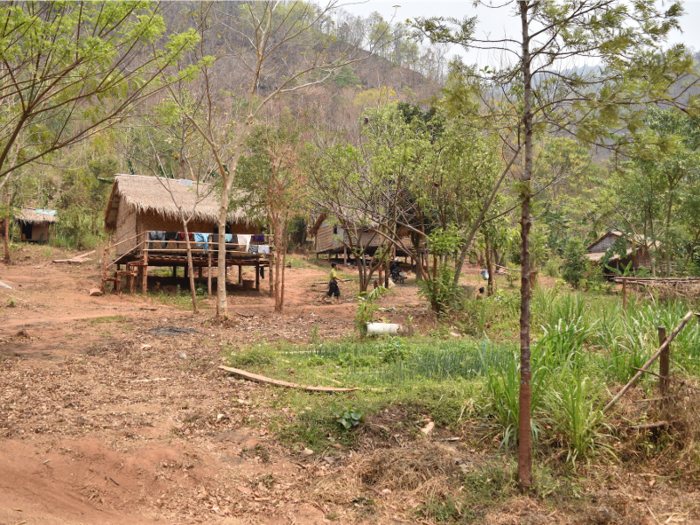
<point x="257" y="275"/>
<point x="104" y="270"/>
<point x="209" y="275"/>
<point x="144" y="276"/>
<point x="329" y="256"/>
<point x="174" y="272"/>
<point x="199" y="271"/>
<point x="240" y="274"/>
<point x="664" y="363"/>
<point x="345" y="256"/>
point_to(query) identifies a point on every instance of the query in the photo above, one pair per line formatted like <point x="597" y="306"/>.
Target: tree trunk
<point x="278" y="265"/>
<point x="284" y="265"/>
<point x="489" y="268"/>
<point x="6" y="232"/>
<point x="668" y="234"/>
<point x="524" y="430"/>
<point x="190" y="268"/>
<point x="221" y="300"/>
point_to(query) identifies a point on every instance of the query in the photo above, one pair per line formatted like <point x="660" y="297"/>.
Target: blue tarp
<point x="45" y="212"/>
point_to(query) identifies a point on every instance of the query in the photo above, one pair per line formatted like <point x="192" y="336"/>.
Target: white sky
<point x="496" y="21"/>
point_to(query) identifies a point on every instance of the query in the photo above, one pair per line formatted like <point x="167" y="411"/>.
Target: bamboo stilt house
<point x="140" y="206"/>
<point x="334" y="239"/>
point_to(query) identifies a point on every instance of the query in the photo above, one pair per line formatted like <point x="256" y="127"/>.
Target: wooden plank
<point x="262" y="379"/>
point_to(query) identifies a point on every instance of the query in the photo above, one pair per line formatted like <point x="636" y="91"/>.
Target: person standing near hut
<point x="333" y="290"/>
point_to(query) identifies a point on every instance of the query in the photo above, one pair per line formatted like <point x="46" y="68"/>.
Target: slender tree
<point x="540" y="87"/>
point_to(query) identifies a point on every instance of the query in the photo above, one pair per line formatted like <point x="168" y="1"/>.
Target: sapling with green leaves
<point x="537" y="91"/>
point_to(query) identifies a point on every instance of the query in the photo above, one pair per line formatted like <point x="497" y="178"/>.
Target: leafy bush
<point x="551" y="268"/>
<point x="366" y="308"/>
<point x="441" y="292"/>
<point x="575" y="262"/>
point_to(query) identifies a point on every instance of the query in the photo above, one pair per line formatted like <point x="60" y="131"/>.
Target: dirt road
<point x="104" y="421"/>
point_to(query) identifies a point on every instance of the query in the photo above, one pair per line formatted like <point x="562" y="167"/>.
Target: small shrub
<point x="575" y="262"/>
<point x="348" y="418"/>
<point x="551" y="268"/>
<point x="366" y="308"/>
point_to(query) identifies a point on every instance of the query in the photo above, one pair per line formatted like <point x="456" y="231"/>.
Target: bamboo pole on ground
<point x="653" y="358"/>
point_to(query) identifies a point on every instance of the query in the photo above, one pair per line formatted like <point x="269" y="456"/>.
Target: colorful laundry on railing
<point x="157" y="236"/>
<point x="264" y="248"/>
<point x="228" y="238"/>
<point x="253" y="248"/>
<point x="181" y="236"/>
<point x="202" y="240"/>
<point x="258" y="237"/>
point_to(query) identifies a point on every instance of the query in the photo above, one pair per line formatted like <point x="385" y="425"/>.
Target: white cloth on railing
<point x="244" y="239"/>
<point x="264" y="248"/>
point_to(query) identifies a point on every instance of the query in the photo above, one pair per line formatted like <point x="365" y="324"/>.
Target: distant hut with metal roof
<point x="636" y="251"/>
<point x="35" y="224"/>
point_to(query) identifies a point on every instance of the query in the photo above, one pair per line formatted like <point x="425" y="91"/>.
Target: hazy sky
<point x="497" y="21"/>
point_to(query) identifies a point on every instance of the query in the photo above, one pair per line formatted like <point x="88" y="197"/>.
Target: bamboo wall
<point x="130" y="223"/>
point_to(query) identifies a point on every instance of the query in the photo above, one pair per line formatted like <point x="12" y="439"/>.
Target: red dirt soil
<point x="104" y="422"/>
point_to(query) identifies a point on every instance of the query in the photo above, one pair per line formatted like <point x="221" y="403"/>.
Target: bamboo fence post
<point x="664" y="363"/>
<point x="653" y="358"/>
<point x="209" y="275"/>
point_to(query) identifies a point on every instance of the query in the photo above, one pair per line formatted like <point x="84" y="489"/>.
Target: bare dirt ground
<point x="103" y="421"/>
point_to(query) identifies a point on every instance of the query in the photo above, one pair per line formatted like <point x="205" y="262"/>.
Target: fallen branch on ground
<point x="78" y="259"/>
<point x="262" y="379"/>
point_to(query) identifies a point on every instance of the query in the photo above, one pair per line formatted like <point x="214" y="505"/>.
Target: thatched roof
<point x="36" y="216"/>
<point x="159" y="195"/>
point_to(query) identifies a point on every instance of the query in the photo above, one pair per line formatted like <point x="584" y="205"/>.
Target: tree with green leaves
<point x="274" y="188"/>
<point x="263" y="40"/>
<point x="538" y="89"/>
<point x="70" y="69"/>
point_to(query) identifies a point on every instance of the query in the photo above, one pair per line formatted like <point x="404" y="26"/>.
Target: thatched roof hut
<point x="163" y="197"/>
<point x="35" y="223"/>
<point x="36" y="216"/>
<point x="140" y="204"/>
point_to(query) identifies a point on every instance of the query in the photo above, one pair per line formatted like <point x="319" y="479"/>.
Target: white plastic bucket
<point x="382" y="328"/>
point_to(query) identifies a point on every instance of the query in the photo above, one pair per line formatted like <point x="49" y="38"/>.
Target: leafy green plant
<point x="391" y="350"/>
<point x="551" y="268"/>
<point x="366" y="308"/>
<point x="348" y="419"/>
<point x="578" y="414"/>
<point x="575" y="261"/>
<point x="502" y="393"/>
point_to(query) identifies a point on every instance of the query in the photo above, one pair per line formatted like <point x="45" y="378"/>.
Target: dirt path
<point x="104" y="421"/>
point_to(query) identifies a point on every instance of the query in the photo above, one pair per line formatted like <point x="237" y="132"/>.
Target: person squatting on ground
<point x="333" y="290"/>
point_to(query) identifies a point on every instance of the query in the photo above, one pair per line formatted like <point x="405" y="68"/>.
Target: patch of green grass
<point x="109" y="319"/>
<point x="254" y="358"/>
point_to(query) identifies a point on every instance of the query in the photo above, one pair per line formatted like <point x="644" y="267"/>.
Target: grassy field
<point x="584" y="347"/>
